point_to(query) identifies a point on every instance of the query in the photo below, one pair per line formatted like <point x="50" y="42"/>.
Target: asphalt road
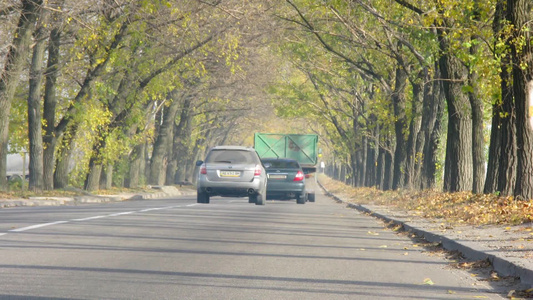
<point x="229" y="249"/>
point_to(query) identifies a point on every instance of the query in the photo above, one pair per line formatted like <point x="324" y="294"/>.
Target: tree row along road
<point x="403" y="94"/>
<point x="229" y="249"/>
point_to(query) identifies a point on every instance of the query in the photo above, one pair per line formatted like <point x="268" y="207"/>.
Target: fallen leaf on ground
<point x="428" y="281"/>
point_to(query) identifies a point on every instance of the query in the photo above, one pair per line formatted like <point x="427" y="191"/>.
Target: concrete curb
<point x="500" y="264"/>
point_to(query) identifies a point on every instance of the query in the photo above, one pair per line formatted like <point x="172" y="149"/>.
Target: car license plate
<point x="277" y="176"/>
<point x="230" y="173"/>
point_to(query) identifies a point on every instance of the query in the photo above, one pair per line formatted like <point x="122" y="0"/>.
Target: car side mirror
<point x="199" y="163"/>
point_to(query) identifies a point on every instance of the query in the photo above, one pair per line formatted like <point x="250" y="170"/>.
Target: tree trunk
<point x="63" y="159"/>
<point x="388" y="167"/>
<point x="507" y="162"/>
<point x="159" y="154"/>
<point x="431" y="148"/>
<point x="106" y="181"/>
<point x="34" y="105"/>
<point x="135" y="174"/>
<point x="361" y="162"/>
<point x="458" y="163"/>
<point x="478" y="143"/>
<point x="491" y="181"/>
<point x="496" y="145"/>
<point x="92" y="183"/>
<point x="109" y="177"/>
<point x="520" y="13"/>
<point x="431" y="103"/>
<point x="49" y="109"/>
<point x="398" y="99"/>
<point x="380" y="169"/>
<point x="412" y="159"/>
<point x="372" y="158"/>
<point x="342" y="173"/>
<point x="10" y="76"/>
<point x="176" y="167"/>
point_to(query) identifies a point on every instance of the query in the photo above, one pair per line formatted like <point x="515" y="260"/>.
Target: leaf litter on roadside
<point x="455" y="208"/>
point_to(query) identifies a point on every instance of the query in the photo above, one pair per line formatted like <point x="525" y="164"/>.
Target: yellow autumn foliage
<point x="459" y="207"/>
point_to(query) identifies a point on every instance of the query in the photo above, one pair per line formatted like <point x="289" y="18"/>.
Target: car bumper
<point x="230" y="188"/>
<point x="285" y="186"/>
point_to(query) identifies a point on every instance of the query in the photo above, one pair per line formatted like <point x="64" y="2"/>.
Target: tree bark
<point x="61" y="179"/>
<point x="10" y="76"/>
<point x="177" y="166"/>
<point x="428" y="141"/>
<point x="159" y="154"/>
<point x="507" y="160"/>
<point x="34" y="105"/>
<point x="380" y="170"/>
<point x="135" y="174"/>
<point x="372" y="157"/>
<point x="412" y="177"/>
<point x="92" y="183"/>
<point x="400" y="154"/>
<point x="496" y="144"/>
<point x="478" y="144"/>
<point x="49" y="109"/>
<point x="520" y="13"/>
<point x="491" y="181"/>
<point x="458" y="163"/>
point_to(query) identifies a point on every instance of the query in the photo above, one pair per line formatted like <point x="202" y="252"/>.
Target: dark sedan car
<point x="286" y="179"/>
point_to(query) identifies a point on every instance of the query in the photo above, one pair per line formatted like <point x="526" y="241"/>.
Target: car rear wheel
<point x="311" y="197"/>
<point x="252" y="199"/>
<point x="202" y="197"/>
<point x="259" y="199"/>
<point x="300" y="199"/>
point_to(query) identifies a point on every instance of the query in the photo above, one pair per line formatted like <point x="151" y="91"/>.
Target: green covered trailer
<point x="301" y="147"/>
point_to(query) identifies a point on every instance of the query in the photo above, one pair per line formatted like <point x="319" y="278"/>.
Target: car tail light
<point x="299" y="176"/>
<point x="203" y="170"/>
<point x="257" y="171"/>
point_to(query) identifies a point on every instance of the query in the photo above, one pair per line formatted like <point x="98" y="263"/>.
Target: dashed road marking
<point x="90" y="218"/>
<point x="121" y="214"/>
<point x="37" y="226"/>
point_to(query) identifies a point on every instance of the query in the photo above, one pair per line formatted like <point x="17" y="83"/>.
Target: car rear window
<point x="283" y="164"/>
<point x="231" y="156"/>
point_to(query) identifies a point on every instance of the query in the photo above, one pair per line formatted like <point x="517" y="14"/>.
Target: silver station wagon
<point x="232" y="171"/>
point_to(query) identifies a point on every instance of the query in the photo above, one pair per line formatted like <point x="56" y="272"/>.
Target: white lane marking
<point x="121" y="214"/>
<point x="37" y="226"/>
<point x="146" y="210"/>
<point x="89" y="218"/>
<point x="159" y="208"/>
<point x="194" y="204"/>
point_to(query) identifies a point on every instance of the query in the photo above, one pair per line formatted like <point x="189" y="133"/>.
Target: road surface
<point x="229" y="249"/>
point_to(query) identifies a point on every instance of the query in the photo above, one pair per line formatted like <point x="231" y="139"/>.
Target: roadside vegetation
<point x="464" y="208"/>
<point x="405" y="95"/>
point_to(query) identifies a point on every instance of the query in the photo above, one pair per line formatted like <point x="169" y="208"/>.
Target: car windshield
<point x="231" y="156"/>
<point x="283" y="164"/>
